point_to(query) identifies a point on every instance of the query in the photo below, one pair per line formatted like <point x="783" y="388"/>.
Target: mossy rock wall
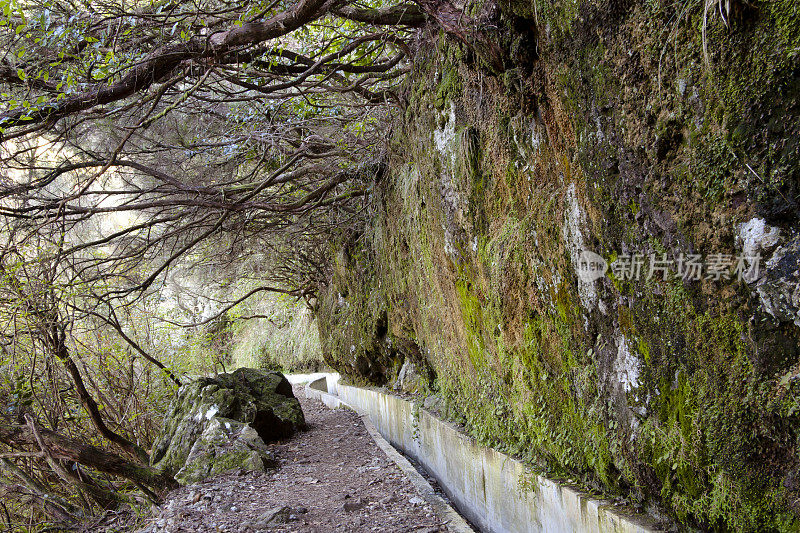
<point x="622" y="128"/>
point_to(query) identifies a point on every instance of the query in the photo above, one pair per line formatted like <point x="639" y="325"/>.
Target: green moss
<point x="448" y="88"/>
<point x="555" y="17"/>
<point x="654" y="163"/>
<point x="701" y="440"/>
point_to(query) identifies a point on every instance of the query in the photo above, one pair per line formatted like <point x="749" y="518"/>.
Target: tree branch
<point x="166" y="59"/>
<point x="66" y="449"/>
<point x="457" y="23"/>
<point x="399" y="15"/>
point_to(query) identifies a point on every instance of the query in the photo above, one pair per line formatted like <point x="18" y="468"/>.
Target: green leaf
<point x="21" y="74"/>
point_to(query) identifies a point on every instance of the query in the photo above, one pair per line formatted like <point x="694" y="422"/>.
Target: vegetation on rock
<point x="221" y="423"/>
<point x="614" y="135"/>
<point x="425" y="178"/>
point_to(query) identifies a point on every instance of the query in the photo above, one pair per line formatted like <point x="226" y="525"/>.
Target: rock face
<point x="668" y="372"/>
<point x="222" y="423"/>
<point x="409" y="378"/>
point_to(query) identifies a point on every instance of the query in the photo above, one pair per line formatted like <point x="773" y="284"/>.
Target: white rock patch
<point x="626" y="365"/>
<point x="445" y="138"/>
<point x="756" y="235"/>
<point x="574" y="238"/>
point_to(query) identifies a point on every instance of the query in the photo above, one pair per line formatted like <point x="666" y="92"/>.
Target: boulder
<point x="222" y="423"/>
<point x="225" y="445"/>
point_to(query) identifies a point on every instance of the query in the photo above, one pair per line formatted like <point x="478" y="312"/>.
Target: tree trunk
<point x="53" y="505"/>
<point x="66" y="449"/>
<point x="56" y="339"/>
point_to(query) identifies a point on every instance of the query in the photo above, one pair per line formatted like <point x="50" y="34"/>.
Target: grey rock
<point x="409" y="378"/>
<point x="779" y="286"/>
<point x="220" y="424"/>
<point x="273" y="517"/>
<point x="433" y="403"/>
<point x="320" y="384"/>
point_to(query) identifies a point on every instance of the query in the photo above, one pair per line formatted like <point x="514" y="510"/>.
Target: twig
<point x="20" y="455"/>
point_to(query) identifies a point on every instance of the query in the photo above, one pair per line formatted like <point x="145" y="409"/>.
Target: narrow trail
<point x="331" y="478"/>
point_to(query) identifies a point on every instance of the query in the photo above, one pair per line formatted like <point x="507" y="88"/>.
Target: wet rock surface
<point x="331" y="478"/>
<point x="223" y="423"/>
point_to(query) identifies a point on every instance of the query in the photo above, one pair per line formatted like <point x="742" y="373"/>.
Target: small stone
<point x="354" y="505"/>
<point x="416" y="500"/>
<point x="273" y="517"/>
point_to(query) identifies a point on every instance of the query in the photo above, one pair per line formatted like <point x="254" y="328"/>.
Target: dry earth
<point x="331" y="478"/>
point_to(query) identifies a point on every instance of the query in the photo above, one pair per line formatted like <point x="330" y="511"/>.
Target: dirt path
<point x="331" y="478"/>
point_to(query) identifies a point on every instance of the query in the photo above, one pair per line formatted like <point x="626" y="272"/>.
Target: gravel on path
<point x="331" y="478"/>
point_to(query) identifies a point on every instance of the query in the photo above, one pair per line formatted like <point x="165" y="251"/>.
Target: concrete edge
<point x="454" y="521"/>
<point x="479" y="479"/>
<point x="302" y="379"/>
<point x="594" y="515"/>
